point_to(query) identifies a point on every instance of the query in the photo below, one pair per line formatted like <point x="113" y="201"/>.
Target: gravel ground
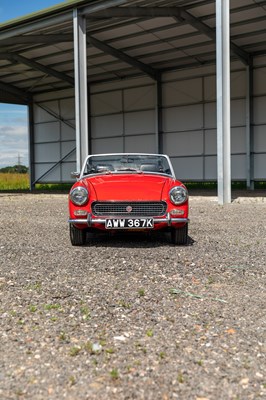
<point x="132" y="317"/>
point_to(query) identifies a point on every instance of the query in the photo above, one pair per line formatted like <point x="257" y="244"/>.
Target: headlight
<point x="178" y="195"/>
<point x="79" y="195"/>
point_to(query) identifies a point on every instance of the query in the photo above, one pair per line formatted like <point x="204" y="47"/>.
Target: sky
<point x="14" y="118"/>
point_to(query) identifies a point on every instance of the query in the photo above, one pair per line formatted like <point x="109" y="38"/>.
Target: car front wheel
<point x="179" y="236"/>
<point x="77" y="236"/>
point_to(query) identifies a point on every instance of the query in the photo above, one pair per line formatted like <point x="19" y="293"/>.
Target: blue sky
<point x="14" y="118"/>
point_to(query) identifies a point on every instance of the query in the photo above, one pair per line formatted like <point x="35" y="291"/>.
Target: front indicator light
<point x="80" y="213"/>
<point x="176" y="211"/>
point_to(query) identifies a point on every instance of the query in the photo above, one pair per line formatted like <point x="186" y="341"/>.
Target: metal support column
<point x="223" y="100"/>
<point x="89" y="118"/>
<point x="31" y="146"/>
<point x="81" y="95"/>
<point x="249" y="131"/>
<point x="158" y="118"/>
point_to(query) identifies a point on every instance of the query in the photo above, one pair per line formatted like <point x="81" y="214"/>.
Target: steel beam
<point x="123" y="56"/>
<point x="158" y="118"/>
<point x="14" y="91"/>
<point x="179" y="13"/>
<point x="31" y="145"/>
<point x="208" y="31"/>
<point x="60" y="18"/>
<point x="249" y="129"/>
<point x="134" y="12"/>
<point x="81" y="92"/>
<point x="14" y="57"/>
<point x="223" y="100"/>
<point x="103" y="5"/>
<point x="21" y="29"/>
<point x="36" y="39"/>
<point x="53" y="167"/>
<point x="56" y="116"/>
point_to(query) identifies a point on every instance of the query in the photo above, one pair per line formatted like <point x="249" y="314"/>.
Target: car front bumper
<point x="93" y="221"/>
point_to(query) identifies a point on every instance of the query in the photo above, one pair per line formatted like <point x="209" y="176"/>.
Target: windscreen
<point x="119" y="163"/>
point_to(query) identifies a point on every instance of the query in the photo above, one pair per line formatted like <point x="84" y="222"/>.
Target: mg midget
<point x="128" y="192"/>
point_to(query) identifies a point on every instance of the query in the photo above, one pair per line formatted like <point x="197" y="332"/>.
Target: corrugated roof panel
<point x="246" y="15"/>
<point x="234" y="4"/>
<point x="196" y="51"/>
<point x="149" y="49"/>
<point x="178" y="30"/>
<point x="197" y="41"/>
<point x="254" y="39"/>
<point x="250" y="28"/>
<point x="203" y="9"/>
<point x="163" y="43"/>
<point x="134" y="41"/>
<point x="118" y="32"/>
<point x="160" y="57"/>
<point x="156" y="23"/>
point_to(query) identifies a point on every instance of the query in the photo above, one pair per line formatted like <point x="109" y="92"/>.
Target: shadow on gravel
<point x="132" y="240"/>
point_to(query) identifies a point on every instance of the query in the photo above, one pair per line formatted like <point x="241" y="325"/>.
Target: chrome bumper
<point x="89" y="221"/>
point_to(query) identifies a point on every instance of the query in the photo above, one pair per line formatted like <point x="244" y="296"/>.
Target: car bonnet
<point x="134" y="187"/>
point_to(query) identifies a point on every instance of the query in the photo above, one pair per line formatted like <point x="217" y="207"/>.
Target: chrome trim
<point x="89" y="221"/>
<point x="112" y="209"/>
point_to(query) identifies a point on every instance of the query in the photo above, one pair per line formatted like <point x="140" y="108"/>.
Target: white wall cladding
<point x="259" y="129"/>
<point x="189" y="122"/>
<point x="123" y="118"/>
<point x="54" y="136"/>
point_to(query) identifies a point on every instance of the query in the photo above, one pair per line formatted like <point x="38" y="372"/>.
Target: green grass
<point x="149" y="333"/>
<point x="20" y="182"/>
<point x="74" y="351"/>
<point x="141" y="292"/>
<point x="13" y="181"/>
<point x="10" y="181"/>
<point x="114" y="374"/>
<point x="50" y="187"/>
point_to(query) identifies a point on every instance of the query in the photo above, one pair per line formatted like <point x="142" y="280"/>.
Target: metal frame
<point x="31" y="145"/>
<point x="223" y="101"/>
<point x="90" y="19"/>
<point x="249" y="128"/>
<point x="159" y="119"/>
<point x="81" y="95"/>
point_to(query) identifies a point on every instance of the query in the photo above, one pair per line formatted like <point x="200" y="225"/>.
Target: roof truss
<point x="14" y="57"/>
<point x="179" y="13"/>
<point x="14" y="91"/>
<point x="176" y="43"/>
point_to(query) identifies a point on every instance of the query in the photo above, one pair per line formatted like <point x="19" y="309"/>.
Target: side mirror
<point x="75" y="175"/>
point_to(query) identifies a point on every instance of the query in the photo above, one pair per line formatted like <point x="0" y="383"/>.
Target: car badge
<point x="129" y="209"/>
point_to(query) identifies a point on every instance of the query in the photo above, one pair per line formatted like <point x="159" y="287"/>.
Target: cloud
<point x="14" y="143"/>
<point x="8" y="131"/>
<point x="11" y="117"/>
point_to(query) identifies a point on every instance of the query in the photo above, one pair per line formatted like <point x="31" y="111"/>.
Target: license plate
<point x="129" y="223"/>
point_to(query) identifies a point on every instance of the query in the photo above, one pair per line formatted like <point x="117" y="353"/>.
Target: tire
<point x="179" y="236"/>
<point x="77" y="236"/>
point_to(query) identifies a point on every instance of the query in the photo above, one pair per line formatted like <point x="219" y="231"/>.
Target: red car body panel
<point x="134" y="187"/>
<point x="128" y="187"/>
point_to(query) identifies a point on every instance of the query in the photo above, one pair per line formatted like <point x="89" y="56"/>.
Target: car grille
<point x="139" y="208"/>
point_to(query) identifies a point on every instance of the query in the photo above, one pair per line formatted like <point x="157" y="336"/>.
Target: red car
<point x="136" y="192"/>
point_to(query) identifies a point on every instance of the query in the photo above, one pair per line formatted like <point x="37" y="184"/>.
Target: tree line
<point x="18" y="169"/>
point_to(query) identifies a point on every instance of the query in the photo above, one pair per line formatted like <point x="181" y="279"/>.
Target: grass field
<point x="13" y="181"/>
